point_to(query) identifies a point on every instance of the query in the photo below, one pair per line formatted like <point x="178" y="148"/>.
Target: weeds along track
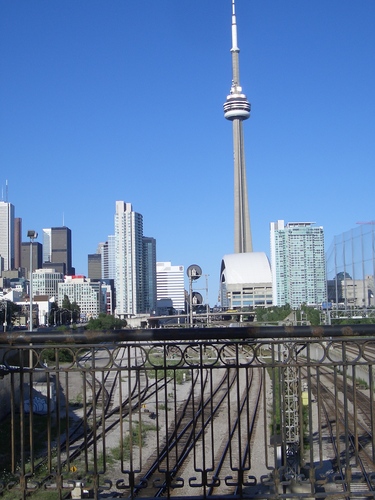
<point x="100" y="416"/>
<point x="116" y="386"/>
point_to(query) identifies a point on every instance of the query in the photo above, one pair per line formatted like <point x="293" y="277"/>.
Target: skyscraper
<point x="94" y="268"/>
<point x="298" y="264"/>
<point x="47" y="256"/>
<point x="37" y="252"/>
<point x="128" y="260"/>
<point x="237" y="109"/>
<point x="57" y="249"/>
<point x="6" y="236"/>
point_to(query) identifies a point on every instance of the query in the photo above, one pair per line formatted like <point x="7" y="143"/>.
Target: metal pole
<point x="4" y="306"/>
<point x="5" y="316"/>
<point x="191" y="300"/>
<point x="207" y="304"/>
<point x="32" y="235"/>
<point x="31" y="286"/>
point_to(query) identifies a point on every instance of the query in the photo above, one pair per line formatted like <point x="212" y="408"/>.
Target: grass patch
<point x="14" y="494"/>
<point x="62" y="354"/>
<point x="137" y="437"/>
<point x="77" y="402"/>
<point x="180" y="375"/>
<point x="162" y="407"/>
<point x="21" y="434"/>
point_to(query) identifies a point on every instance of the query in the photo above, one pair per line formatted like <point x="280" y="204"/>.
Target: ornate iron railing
<point x="265" y="412"/>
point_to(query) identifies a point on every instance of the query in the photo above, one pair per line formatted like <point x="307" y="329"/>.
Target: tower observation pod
<point x="237" y="109"/>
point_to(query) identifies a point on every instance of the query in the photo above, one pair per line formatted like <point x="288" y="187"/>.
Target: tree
<point x="8" y="312"/>
<point x="70" y="311"/>
<point x="76" y="310"/>
<point x="66" y="303"/>
<point x="106" y="322"/>
<point x="273" y="314"/>
<point x="312" y="314"/>
<point x="52" y="320"/>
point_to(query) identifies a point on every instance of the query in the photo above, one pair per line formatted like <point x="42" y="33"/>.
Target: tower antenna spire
<point x="234" y="28"/>
<point x="237" y="109"/>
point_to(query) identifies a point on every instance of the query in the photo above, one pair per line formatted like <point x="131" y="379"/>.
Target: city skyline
<point x="297" y="252"/>
<point x="89" y="117"/>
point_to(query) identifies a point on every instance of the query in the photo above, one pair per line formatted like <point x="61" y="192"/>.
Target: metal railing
<point x="211" y="412"/>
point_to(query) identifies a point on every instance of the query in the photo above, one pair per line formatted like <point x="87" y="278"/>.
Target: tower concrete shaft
<point x="237" y="109"/>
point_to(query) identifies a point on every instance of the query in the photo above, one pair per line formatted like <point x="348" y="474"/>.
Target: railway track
<point x="183" y="436"/>
<point x="214" y="423"/>
<point x="197" y="441"/>
<point x="234" y="459"/>
<point x="100" y="417"/>
<point x="347" y="431"/>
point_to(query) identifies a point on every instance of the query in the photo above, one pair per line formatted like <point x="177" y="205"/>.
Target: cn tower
<point x="237" y="109"/>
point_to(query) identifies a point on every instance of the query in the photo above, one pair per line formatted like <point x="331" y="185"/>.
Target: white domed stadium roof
<point x="245" y="268"/>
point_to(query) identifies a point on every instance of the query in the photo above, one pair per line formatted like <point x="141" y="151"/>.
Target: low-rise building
<point x="45" y="282"/>
<point x="170" y="284"/>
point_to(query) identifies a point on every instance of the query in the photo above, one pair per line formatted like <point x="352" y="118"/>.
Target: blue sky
<point x="105" y="100"/>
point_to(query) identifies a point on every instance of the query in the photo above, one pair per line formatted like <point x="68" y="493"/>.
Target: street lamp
<point x="4" y="306"/>
<point x="32" y="235"/>
<point x="193" y="272"/>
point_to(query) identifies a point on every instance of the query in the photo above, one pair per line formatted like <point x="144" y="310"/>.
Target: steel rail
<point x="227" y="445"/>
<point x="195" y="430"/>
<point x="342" y="419"/>
<point x="184" y="421"/>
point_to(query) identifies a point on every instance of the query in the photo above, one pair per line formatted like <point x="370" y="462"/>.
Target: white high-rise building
<point x="298" y="264"/>
<point x="128" y="260"/>
<point x="170" y="284"/>
<point x="6" y="236"/>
